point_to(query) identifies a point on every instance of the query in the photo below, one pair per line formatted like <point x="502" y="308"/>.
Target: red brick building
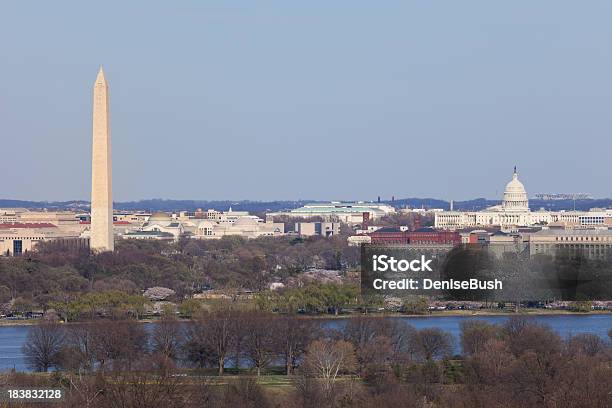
<point x="421" y="236"/>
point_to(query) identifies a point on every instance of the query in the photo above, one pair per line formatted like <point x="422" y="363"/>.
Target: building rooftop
<point x="114" y="222"/>
<point x="388" y="229"/>
<point x="334" y="209"/>
<point x="150" y="233"/>
<point x="574" y="232"/>
<point x="425" y="229"/>
<point x="27" y="225"/>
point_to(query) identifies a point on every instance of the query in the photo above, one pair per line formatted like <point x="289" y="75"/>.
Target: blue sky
<point x="322" y="100"/>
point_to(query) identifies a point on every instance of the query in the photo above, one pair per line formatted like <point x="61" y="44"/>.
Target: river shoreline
<point x="565" y="324"/>
<point x="445" y="313"/>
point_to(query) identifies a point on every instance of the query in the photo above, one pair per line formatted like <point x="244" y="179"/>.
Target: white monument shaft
<point x="101" y="234"/>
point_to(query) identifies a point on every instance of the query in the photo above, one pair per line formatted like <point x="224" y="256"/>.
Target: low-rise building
<point x="22" y="229"/>
<point x="324" y="229"/>
<point x="158" y="226"/>
<point x="247" y="227"/>
<point x="350" y="213"/>
<point x="498" y="242"/>
<point x="211" y="224"/>
<point x="357" y="240"/>
<point x="421" y="236"/>
<point x="149" y="235"/>
<point x="19" y="238"/>
<point x="368" y="229"/>
<point x="592" y="243"/>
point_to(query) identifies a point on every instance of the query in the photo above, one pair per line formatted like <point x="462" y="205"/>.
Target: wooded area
<point x="364" y="362"/>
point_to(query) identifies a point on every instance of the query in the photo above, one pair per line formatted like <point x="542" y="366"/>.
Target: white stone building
<point x="592" y="243"/>
<point x="158" y="226"/>
<point x="22" y="229"/>
<point x="514" y="212"/>
<point x="324" y="229"/>
<point x="350" y="213"/>
<point x="211" y="224"/>
<point x="246" y="226"/>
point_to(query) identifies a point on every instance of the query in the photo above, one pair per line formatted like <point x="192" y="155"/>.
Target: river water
<point x="13" y="337"/>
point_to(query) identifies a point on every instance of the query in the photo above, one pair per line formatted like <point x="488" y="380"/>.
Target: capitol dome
<point x="515" y="196"/>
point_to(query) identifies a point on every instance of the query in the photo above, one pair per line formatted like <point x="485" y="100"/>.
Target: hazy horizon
<point x="280" y="101"/>
<point x="306" y="199"/>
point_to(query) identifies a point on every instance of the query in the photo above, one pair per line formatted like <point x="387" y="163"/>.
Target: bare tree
<point x="327" y="359"/>
<point x="489" y="364"/>
<point x="245" y="392"/>
<point x="431" y="343"/>
<point x="371" y="337"/>
<point x="292" y="335"/>
<point x="525" y="334"/>
<point x="167" y="337"/>
<point x="117" y="343"/>
<point x="85" y="391"/>
<point x="144" y="388"/>
<point x="401" y="334"/>
<point x="583" y="382"/>
<point x="78" y="353"/>
<point x="212" y="337"/>
<point x="258" y="338"/>
<point x="475" y="334"/>
<point x="587" y="343"/>
<point x="43" y="346"/>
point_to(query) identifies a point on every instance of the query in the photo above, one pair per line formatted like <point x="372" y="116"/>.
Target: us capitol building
<point x="514" y="212"/>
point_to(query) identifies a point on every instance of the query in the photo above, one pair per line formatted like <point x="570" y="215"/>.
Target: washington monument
<point x="101" y="233"/>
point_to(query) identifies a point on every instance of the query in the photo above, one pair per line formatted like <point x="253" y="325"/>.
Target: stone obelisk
<point x="101" y="233"/>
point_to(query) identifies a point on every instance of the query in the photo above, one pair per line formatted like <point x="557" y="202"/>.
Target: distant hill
<point x="469" y="205"/>
<point x="478" y="204"/>
<point x="570" y="204"/>
<point x="51" y="205"/>
<point x="271" y="206"/>
<point x="192" y="205"/>
<point x="162" y="205"/>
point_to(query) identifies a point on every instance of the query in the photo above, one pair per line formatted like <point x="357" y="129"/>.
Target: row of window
<point x="583" y="239"/>
<point x="21" y="238"/>
<point x="576" y="246"/>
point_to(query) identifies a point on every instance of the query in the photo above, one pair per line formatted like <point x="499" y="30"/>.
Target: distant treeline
<point x="260" y="207"/>
<point x="478" y="204"/>
<point x="154" y="205"/>
<point x="223" y="205"/>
